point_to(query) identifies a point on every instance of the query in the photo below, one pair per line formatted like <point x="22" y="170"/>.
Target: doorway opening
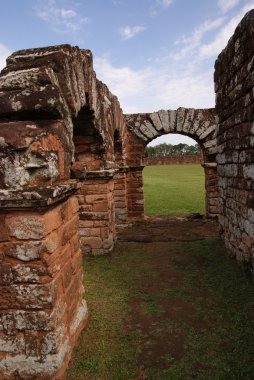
<point x="174" y="180"/>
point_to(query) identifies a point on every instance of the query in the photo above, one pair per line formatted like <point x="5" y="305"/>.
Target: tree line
<point x="165" y="150"/>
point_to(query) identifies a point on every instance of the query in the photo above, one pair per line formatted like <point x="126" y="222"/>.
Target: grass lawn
<point x="178" y="310"/>
<point x="174" y="189"/>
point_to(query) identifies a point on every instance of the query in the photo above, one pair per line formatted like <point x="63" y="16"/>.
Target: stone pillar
<point x="96" y="212"/>
<point x="42" y="306"/>
<point x="211" y="187"/>
<point x="120" y="201"/>
<point x="135" y="193"/>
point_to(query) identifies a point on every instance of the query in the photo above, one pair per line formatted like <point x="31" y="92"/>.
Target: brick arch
<point x="198" y="124"/>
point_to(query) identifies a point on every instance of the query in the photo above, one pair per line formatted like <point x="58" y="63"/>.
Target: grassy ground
<point x="174" y="189"/>
<point x="178" y="310"/>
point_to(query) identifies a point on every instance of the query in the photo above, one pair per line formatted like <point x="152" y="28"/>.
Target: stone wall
<point x="234" y="79"/>
<point x="42" y="307"/>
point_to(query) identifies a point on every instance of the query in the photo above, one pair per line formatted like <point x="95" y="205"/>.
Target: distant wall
<point x="197" y="159"/>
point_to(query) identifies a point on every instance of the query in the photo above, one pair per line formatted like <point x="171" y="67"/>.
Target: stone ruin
<point x="71" y="173"/>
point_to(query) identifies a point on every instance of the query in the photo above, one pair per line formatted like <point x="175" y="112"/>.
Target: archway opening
<point x="88" y="144"/>
<point x="174" y="180"/>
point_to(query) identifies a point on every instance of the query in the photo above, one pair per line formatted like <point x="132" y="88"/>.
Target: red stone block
<point x="93" y="242"/>
<point x="101" y="207"/>
<point x="4" y="230"/>
<point x="69" y="229"/>
<point x="67" y="273"/>
<point x="76" y="262"/>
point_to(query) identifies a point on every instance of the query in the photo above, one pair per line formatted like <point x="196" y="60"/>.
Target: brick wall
<point x="96" y="213"/>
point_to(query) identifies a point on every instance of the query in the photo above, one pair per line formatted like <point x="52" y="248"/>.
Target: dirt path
<point x="155" y="229"/>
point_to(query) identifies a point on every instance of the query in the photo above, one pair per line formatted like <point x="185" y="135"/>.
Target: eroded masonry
<point x="71" y="172"/>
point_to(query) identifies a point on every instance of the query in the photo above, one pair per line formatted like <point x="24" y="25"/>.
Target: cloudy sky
<point x="153" y="54"/>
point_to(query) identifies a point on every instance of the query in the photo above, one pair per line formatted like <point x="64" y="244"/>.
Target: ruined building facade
<point x="71" y="172"/>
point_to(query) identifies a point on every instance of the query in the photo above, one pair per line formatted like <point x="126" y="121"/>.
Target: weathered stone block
<point x="32" y="343"/>
<point x="92" y="242"/>
<point x="27" y="251"/>
<point x="10" y="344"/>
<point x="41" y="320"/>
<point x="51" y="342"/>
<point x="70" y="228"/>
<point x="22" y="227"/>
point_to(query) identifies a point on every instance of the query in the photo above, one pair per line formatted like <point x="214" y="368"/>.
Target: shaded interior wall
<point x="99" y="154"/>
<point x="199" y="124"/>
<point x="234" y="79"/>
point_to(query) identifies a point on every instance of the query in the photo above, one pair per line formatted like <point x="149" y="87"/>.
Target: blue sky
<point x="153" y="54"/>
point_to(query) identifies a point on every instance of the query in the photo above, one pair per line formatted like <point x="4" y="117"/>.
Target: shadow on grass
<point x="178" y="310"/>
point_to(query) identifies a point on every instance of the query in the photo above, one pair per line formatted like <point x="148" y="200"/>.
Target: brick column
<point x="211" y="187"/>
<point x="120" y="201"/>
<point x="96" y="212"/>
<point x="135" y="194"/>
<point x="42" y="306"/>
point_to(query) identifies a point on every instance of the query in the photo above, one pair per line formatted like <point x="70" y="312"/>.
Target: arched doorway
<point x="174" y="180"/>
<point x="198" y="124"/>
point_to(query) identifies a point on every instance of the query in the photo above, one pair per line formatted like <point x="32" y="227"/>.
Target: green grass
<point x="209" y="320"/>
<point x="178" y="310"/>
<point x="174" y="189"/>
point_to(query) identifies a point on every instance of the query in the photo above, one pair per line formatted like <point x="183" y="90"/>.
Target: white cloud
<point x="130" y="31"/>
<point x="194" y="41"/>
<point x="157" y="87"/>
<point x="61" y="19"/>
<point x="124" y="82"/>
<point x="4" y="53"/>
<point x="182" y="78"/>
<point x="226" y="5"/>
<point x="159" y="5"/>
<point x="67" y="13"/>
<point x="164" y="3"/>
<point x="221" y="39"/>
